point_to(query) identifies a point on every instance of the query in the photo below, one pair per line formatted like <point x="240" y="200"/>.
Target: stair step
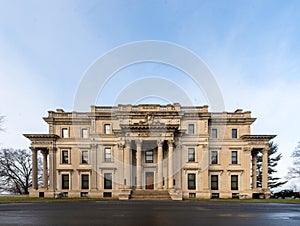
<point x="150" y="195"/>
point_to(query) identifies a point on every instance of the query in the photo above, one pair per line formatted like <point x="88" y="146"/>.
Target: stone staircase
<point x="150" y="195"/>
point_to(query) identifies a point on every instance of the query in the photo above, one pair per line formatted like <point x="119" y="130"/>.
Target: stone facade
<point x="187" y="151"/>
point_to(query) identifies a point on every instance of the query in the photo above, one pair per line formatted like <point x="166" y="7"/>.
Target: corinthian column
<point x="52" y="168"/>
<point x="34" y="168"/>
<point x="159" y="165"/>
<point x="170" y="163"/>
<point x="127" y="165"/>
<point x="139" y="164"/>
<point x="254" y="168"/>
<point x="265" y="168"/>
<point x="45" y="169"/>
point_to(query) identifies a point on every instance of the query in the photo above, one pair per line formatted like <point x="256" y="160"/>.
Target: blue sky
<point x="252" y="48"/>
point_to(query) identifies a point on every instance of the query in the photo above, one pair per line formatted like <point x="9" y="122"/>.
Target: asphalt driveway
<point x="149" y="213"/>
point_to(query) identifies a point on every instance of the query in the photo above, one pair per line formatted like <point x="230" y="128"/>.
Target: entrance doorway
<point x="149" y="180"/>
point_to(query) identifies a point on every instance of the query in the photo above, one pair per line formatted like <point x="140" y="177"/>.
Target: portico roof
<point x="33" y="137"/>
<point x="258" y="137"/>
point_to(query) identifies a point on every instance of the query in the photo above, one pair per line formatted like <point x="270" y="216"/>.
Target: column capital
<point x="265" y="150"/>
<point x="44" y="152"/>
<point x="170" y="142"/>
<point x="138" y="142"/>
<point x="121" y="144"/>
<point x="205" y="146"/>
<point x="160" y="143"/>
<point x="247" y="149"/>
<point x="127" y="143"/>
<point x="94" y="145"/>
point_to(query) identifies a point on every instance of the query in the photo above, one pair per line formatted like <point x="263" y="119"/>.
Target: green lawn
<point x="26" y="198"/>
<point x="297" y="201"/>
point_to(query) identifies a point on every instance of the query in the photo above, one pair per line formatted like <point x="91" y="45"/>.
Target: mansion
<point x="115" y="151"/>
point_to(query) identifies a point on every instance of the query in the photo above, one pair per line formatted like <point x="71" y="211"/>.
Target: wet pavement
<point x="149" y="213"/>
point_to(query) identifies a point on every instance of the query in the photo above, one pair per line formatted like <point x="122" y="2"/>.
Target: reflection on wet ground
<point x="149" y="213"/>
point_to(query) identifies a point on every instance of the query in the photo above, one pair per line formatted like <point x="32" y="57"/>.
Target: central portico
<point x="148" y="164"/>
<point x="148" y="153"/>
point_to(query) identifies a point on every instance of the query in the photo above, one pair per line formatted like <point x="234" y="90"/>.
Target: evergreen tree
<point x="273" y="159"/>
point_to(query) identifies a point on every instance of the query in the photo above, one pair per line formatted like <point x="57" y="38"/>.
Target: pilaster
<point x="94" y="167"/>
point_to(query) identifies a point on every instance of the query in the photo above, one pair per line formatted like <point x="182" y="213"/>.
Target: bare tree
<point x="294" y="171"/>
<point x="15" y="170"/>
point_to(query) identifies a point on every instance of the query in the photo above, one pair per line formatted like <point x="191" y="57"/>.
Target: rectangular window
<point x="234" y="182"/>
<point x="107" y="155"/>
<point x="214" y="182"/>
<point x="192" y="195"/>
<point x="84" y="194"/>
<point x="106" y="194"/>
<point x="107" y="128"/>
<point x="84" y="157"/>
<point x="65" y="133"/>
<point x="84" y="133"/>
<point x="191" y="154"/>
<point x="215" y="195"/>
<point x="107" y="181"/>
<point x="191" y="129"/>
<point x="214" y="133"/>
<point x="234" y="157"/>
<point x="84" y="181"/>
<point x="191" y="181"/>
<point x="214" y="157"/>
<point x="65" y="181"/>
<point x="64" y="156"/>
<point x="234" y="133"/>
<point x="149" y="156"/>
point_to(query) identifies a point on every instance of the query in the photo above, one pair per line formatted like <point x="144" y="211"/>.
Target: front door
<point x="149" y="180"/>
